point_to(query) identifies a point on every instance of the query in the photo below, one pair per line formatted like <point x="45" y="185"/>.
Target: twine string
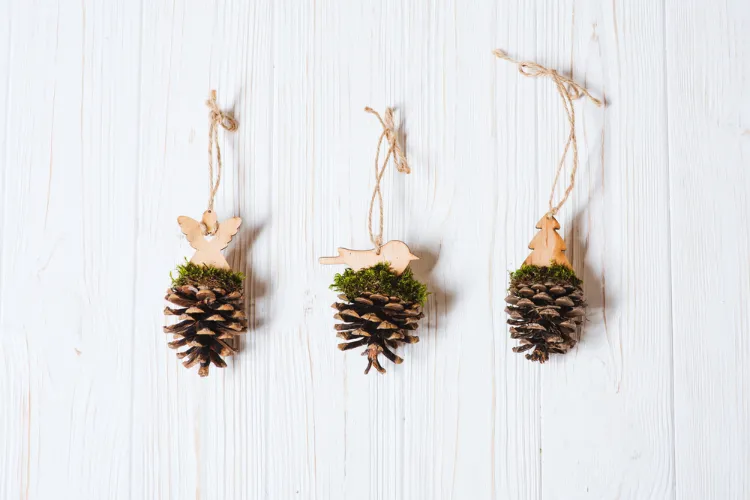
<point x="399" y="158"/>
<point x="569" y="91"/>
<point x="217" y="118"/>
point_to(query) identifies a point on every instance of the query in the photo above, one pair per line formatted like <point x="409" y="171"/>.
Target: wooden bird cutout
<point x="209" y="251"/>
<point x="395" y="252"/>
<point x="548" y="246"/>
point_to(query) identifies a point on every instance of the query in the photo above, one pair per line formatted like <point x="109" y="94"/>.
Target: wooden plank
<point x="68" y="202"/>
<point x="606" y="406"/>
<point x="512" y="173"/>
<point x="709" y="110"/>
<point x="201" y="438"/>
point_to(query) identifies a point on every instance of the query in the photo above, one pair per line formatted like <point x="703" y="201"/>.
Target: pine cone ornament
<point x="379" y="310"/>
<point x="546" y="307"/>
<point x="210" y="310"/>
<point x="545" y="299"/>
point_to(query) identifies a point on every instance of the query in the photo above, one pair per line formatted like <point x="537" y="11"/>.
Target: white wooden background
<point x="103" y="144"/>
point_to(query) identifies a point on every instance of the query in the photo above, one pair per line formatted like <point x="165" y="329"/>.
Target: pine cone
<point x="379" y="322"/>
<point x="544" y="314"/>
<point x="209" y="316"/>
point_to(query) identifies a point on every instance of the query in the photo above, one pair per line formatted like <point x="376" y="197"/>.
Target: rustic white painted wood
<point x="103" y="145"/>
<point x="709" y="180"/>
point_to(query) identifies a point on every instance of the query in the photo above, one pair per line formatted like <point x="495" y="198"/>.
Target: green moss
<point x="554" y="272"/>
<point x="203" y="275"/>
<point x="380" y="279"/>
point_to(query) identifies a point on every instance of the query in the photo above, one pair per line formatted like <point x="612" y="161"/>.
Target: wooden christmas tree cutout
<point x="395" y="252"/>
<point x="208" y="252"/>
<point x="548" y="246"/>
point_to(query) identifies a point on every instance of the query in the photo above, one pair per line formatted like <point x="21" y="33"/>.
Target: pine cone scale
<point x="377" y="321"/>
<point x="543" y="314"/>
<point x="206" y="317"/>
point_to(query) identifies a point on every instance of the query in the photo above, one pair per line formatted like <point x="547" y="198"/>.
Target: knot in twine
<point x="217" y="118"/>
<point x="569" y="91"/>
<point x="395" y="151"/>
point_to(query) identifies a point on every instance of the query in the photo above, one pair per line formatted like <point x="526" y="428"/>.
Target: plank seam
<point x="670" y="231"/>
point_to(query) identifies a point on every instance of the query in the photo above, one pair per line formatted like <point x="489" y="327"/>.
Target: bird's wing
<point x="227" y="229"/>
<point x="192" y="229"/>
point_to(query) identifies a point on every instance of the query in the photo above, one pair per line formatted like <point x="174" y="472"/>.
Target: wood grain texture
<point x="607" y="407"/>
<point x="709" y="150"/>
<point x="103" y="144"/>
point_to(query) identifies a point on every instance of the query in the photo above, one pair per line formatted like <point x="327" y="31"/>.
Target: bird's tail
<point x="331" y="260"/>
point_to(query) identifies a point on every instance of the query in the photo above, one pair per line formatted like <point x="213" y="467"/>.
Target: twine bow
<point x="569" y="91"/>
<point x="217" y="118"/>
<point x="395" y="151"/>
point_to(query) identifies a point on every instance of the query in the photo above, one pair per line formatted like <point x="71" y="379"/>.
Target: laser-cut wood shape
<point x="547" y="245"/>
<point x="208" y="252"/>
<point x="395" y="252"/>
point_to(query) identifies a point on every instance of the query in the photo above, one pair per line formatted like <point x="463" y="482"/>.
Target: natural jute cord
<point x="569" y="91"/>
<point x="389" y="133"/>
<point x="216" y="118"/>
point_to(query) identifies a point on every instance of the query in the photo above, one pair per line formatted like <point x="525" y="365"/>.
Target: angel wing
<point x="192" y="229"/>
<point x="227" y="229"/>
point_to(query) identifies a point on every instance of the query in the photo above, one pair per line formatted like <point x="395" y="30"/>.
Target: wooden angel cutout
<point x="548" y="246"/>
<point x="395" y="252"/>
<point x="208" y="252"/>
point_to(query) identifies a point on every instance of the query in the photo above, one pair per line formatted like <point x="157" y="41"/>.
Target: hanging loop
<point x="394" y="150"/>
<point x="569" y="91"/>
<point x="217" y="118"/>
